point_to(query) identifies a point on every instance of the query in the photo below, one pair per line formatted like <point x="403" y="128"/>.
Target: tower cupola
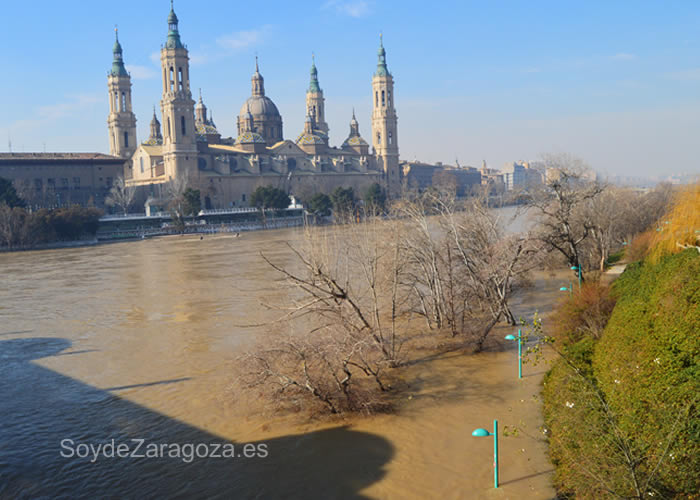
<point x="313" y="85"/>
<point x="257" y="82"/>
<point x="173" y="41"/>
<point x="381" y="62"/>
<point x="118" y="68"/>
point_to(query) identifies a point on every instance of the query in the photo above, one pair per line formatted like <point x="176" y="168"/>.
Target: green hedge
<point x="630" y="426"/>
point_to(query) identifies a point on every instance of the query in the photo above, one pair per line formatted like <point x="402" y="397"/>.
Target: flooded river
<point x="136" y="342"/>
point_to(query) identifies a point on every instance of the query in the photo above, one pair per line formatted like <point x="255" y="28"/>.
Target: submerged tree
<point x="346" y="320"/>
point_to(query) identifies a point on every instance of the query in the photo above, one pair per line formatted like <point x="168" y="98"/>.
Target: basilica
<point x="185" y="144"/>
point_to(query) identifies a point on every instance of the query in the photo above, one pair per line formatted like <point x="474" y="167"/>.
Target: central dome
<point x="260" y="106"/>
<point x="259" y="114"/>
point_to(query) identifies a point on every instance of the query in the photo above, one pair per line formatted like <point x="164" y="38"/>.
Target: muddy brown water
<point x="137" y="340"/>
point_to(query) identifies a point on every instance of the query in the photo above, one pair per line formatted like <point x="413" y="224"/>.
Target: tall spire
<point x="118" y="68"/>
<point x="173" y="41"/>
<point x="313" y="85"/>
<point x="155" y="137"/>
<point x="381" y="63"/>
<point x="354" y="126"/>
<point x="200" y="111"/>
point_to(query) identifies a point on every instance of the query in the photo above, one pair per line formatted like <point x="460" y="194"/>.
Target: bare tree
<point x="346" y="319"/>
<point x="491" y="262"/>
<point x="460" y="265"/>
<point x="563" y="226"/>
<point x="121" y="195"/>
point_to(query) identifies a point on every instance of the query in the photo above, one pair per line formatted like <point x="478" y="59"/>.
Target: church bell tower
<point x="177" y="106"/>
<point x="121" y="120"/>
<point x="384" y="124"/>
<point x="315" y="101"/>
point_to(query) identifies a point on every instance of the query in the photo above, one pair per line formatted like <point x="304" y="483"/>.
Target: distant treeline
<point x="22" y="229"/>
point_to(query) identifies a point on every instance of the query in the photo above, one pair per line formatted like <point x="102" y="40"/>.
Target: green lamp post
<point x="485" y="433"/>
<point x="520" y="351"/>
<point x="577" y="270"/>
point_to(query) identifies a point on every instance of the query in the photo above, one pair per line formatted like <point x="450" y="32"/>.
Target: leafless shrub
<point x="346" y="319"/>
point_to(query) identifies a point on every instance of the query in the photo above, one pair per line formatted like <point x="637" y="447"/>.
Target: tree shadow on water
<point x="40" y="408"/>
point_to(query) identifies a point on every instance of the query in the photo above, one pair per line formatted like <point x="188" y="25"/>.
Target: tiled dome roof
<point x="306" y="139"/>
<point x="153" y="142"/>
<point x="250" y="138"/>
<point x="205" y="129"/>
<point x="355" y="141"/>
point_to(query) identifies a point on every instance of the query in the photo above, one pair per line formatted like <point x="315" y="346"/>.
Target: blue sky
<point x="615" y="82"/>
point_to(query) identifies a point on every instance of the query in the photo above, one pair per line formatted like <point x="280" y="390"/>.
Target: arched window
<point x="376" y="98"/>
<point x="182" y="125"/>
<point x="383" y="102"/>
<point x="388" y="97"/>
<point x="123" y="101"/>
<point x="179" y="78"/>
<point x="172" y="81"/>
<point x="390" y="138"/>
<point x="170" y="137"/>
<point x="141" y="163"/>
<point x="126" y="139"/>
<point x="379" y="138"/>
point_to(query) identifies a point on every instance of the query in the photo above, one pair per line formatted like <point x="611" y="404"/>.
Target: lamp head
<point x="510" y="337"/>
<point x="563" y="289"/>
<point x="481" y="433"/>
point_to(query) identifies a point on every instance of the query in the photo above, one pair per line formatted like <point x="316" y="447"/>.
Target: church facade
<point x="185" y="144"/>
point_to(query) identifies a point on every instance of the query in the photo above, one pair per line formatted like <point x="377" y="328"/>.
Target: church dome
<point x="259" y="106"/>
<point x="354" y="141"/>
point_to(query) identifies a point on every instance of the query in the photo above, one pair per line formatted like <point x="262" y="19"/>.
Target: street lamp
<point x="577" y="270"/>
<point x="520" y="351"/>
<point x="485" y="433"/>
<point x="569" y="288"/>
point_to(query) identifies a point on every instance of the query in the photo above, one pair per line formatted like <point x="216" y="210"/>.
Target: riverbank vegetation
<point x="20" y="228"/>
<point x="621" y="403"/>
<point x="430" y="269"/>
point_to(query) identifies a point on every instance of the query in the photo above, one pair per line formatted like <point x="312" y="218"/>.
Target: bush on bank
<point x="627" y="423"/>
<point x="20" y="228"/>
